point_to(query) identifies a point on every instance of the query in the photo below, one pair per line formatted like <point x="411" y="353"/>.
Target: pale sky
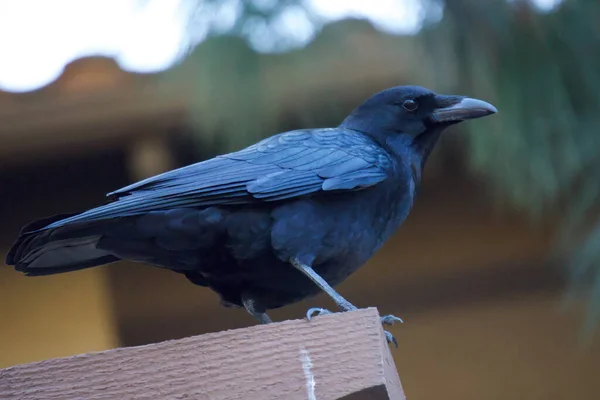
<point x="39" y="37"/>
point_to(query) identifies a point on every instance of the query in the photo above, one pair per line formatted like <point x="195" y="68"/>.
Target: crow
<point x="274" y="223"/>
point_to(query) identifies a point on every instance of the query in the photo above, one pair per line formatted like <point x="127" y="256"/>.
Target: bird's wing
<point x="284" y="166"/>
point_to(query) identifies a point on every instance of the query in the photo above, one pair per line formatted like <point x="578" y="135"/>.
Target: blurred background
<point x="495" y="271"/>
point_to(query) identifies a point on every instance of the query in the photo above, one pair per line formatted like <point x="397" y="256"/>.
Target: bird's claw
<point x="390" y="338"/>
<point x="313" y="312"/>
<point x="385" y="320"/>
<point x="390" y="320"/>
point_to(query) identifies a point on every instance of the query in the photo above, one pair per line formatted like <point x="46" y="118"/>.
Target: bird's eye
<point x="410" y="105"/>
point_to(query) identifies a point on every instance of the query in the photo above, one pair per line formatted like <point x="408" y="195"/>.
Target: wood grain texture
<point x="339" y="356"/>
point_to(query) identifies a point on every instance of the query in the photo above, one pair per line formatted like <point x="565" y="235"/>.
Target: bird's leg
<point x="340" y="301"/>
<point x="320" y="282"/>
<point x="251" y="306"/>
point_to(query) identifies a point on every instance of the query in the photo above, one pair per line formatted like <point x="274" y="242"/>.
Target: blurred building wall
<point x="54" y="316"/>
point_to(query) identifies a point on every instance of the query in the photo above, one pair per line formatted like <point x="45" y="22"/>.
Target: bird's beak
<point x="457" y="108"/>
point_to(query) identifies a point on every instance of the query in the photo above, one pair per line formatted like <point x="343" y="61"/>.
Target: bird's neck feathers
<point x="407" y="148"/>
<point x="425" y="142"/>
<point x="413" y="151"/>
<point x="422" y="146"/>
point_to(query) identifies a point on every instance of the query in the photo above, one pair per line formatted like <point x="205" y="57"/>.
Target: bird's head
<point x="413" y="116"/>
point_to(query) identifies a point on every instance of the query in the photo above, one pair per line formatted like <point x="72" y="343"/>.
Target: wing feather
<point x="281" y="167"/>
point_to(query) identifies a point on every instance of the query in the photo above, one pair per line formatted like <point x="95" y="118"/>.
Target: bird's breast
<point x="337" y="234"/>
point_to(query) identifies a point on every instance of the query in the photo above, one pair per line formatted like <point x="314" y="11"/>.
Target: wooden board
<point x="339" y="356"/>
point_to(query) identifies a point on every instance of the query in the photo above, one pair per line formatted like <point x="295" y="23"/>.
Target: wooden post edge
<point x="332" y="357"/>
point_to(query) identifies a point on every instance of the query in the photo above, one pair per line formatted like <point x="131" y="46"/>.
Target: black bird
<point x="274" y="223"/>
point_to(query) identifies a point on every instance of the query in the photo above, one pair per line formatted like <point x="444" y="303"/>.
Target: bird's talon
<point x="313" y="312"/>
<point x="390" y="320"/>
<point x="390" y="338"/>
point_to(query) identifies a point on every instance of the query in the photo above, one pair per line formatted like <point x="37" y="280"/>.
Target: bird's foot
<point x="390" y="338"/>
<point x="313" y="312"/>
<point x="390" y="320"/>
<point x="386" y="320"/>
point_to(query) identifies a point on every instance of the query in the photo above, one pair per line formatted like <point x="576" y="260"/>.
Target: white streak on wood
<point x="308" y="374"/>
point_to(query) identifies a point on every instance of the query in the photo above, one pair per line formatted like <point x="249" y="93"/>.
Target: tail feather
<point x="41" y="251"/>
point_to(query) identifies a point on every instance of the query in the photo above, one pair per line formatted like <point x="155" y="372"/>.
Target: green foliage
<point x="542" y="152"/>
<point x="222" y="77"/>
<point x="238" y="96"/>
<point x="247" y="19"/>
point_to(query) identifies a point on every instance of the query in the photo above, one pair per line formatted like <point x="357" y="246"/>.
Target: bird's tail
<point x="46" y="251"/>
